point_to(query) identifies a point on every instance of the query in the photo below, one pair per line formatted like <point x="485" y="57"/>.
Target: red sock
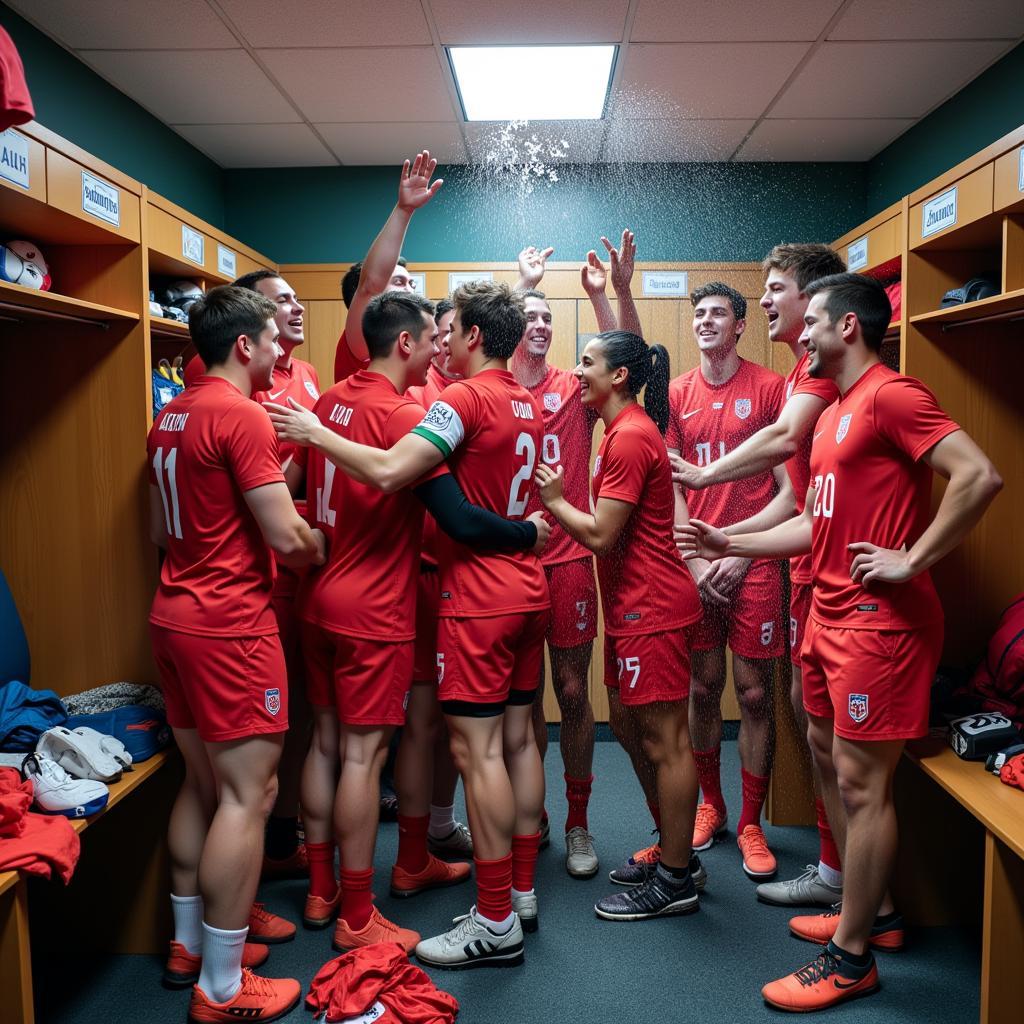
<point x="412" y="843"/>
<point x="829" y="854"/>
<point x="755" y="791"/>
<point x="655" y="814"/>
<point x="709" y="775"/>
<point x="524" y="860"/>
<point x="494" y="888"/>
<point x="577" y="792"/>
<point x="322" y="881"/>
<point x="356" y="897"/>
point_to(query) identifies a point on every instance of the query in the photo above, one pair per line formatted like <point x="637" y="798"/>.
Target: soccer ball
<point x="181" y="294"/>
<point x="22" y="263"/>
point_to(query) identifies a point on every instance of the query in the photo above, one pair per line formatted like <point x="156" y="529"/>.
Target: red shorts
<point x="751" y="623"/>
<point x="428" y="596"/>
<point x="799" y="615"/>
<point x="648" y="668"/>
<point x="225" y="687"/>
<point x="366" y="681"/>
<point x="875" y="684"/>
<point x="573" y="603"/>
<point x="481" y="661"/>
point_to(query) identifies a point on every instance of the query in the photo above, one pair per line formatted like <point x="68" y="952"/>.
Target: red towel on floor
<point x="351" y="985"/>
<point x="36" y="843"/>
<point x="15" y="102"/>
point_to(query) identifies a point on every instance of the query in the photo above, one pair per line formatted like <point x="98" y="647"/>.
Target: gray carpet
<point x="705" y="968"/>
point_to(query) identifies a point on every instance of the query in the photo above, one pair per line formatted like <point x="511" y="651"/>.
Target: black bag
<point x="976" y="288"/>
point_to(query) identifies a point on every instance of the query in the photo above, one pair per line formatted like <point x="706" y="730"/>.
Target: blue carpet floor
<point x="706" y="968"/>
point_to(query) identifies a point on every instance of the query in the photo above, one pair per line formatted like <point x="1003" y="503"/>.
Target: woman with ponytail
<point x="649" y="598"/>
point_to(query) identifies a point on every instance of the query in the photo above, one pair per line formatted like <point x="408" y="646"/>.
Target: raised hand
<point x="622" y="260"/>
<point x="293" y="422"/>
<point x="593" y="275"/>
<point x="414" y="187"/>
<point x="549" y="483"/>
<point x="532" y="262"/>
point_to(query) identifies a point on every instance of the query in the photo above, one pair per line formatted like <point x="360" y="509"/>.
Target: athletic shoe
<point x="377" y="929"/>
<point x="758" y="860"/>
<point x="697" y="873"/>
<point x="809" y="890"/>
<point x="545" y="834"/>
<point x="295" y="865"/>
<point x="472" y="944"/>
<point x="267" y="927"/>
<point x="182" y="967"/>
<point x="56" y="792"/>
<point x="639" y="867"/>
<point x="258" y="999"/>
<point x="525" y="906"/>
<point x="710" y="824"/>
<point x="80" y="756"/>
<point x="825" y="981"/>
<point x="580" y="855"/>
<point x="654" y="898"/>
<point x="458" y="842"/>
<point x="318" y="912"/>
<point x="821" y="928"/>
<point x="109" y="745"/>
<point x="438" y="874"/>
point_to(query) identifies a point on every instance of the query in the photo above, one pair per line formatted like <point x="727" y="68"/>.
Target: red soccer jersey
<point x="345" y="363"/>
<point x="708" y="420"/>
<point x="800" y="382"/>
<point x="205" y="449"/>
<point x="425" y="397"/>
<point x="645" y="587"/>
<point x="872" y="486"/>
<point x="490" y="431"/>
<point x="368" y="586"/>
<point x="568" y="432"/>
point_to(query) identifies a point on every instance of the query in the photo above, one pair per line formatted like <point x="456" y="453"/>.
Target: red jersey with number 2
<point x="490" y="431"/>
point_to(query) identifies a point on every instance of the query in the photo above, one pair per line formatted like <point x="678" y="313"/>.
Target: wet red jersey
<point x="345" y="363"/>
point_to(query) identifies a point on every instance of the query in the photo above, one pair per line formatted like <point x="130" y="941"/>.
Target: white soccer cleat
<point x="80" y="756"/>
<point x="56" y="792"/>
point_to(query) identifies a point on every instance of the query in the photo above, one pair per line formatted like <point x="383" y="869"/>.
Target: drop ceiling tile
<point x="674" y="141"/>
<point x="670" y="21"/>
<point x="394" y="142"/>
<point x="547" y="142"/>
<point x="497" y="21"/>
<point x="258" y="145"/>
<point x="194" y="86"/>
<point x="824" y="140"/>
<point x="926" y="19"/>
<point x="361" y="85"/>
<point x="140" y="24"/>
<point x="901" y="79"/>
<point x="276" y="23"/>
<point x="676" y="80"/>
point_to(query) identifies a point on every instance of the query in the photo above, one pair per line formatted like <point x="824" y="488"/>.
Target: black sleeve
<point x="469" y="524"/>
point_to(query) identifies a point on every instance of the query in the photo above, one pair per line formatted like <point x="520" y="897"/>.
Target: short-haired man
<point x="220" y="507"/>
<point x="876" y="627"/>
<point x="714" y="408"/>
<point x="494" y="611"/>
<point x="789" y="269"/>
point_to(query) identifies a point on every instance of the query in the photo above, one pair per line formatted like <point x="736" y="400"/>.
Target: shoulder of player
<point x="764" y="374"/>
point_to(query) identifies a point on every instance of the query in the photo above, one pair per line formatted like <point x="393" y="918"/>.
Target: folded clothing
<point x="25" y="714"/>
<point x="105" y="698"/>
<point x="36" y="843"/>
<point x="1012" y="773"/>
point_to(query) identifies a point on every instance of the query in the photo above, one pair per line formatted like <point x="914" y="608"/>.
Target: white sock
<point x="498" y="927"/>
<point x="221" y="974"/>
<point x="442" y="821"/>
<point x="830" y="876"/>
<point x="516" y="892"/>
<point x="188" y="921"/>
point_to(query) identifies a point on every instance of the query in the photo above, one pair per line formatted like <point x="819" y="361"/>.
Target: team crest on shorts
<point x="272" y="700"/>
<point x="844" y="427"/>
<point x="857" y="705"/>
<point x="742" y="408"/>
<point x="552" y="401"/>
<point x="313" y="393"/>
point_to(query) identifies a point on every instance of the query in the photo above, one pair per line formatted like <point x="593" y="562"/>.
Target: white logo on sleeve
<point x="313" y="393"/>
<point x="844" y="427"/>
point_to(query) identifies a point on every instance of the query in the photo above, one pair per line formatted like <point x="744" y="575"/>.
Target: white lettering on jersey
<point x="174" y="421"/>
<point x="341" y="414"/>
<point x="522" y="410"/>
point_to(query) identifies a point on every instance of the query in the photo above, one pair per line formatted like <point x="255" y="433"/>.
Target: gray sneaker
<point x="525" y="905"/>
<point x="806" y="891"/>
<point x="458" y="843"/>
<point x="470" y="943"/>
<point x="580" y="855"/>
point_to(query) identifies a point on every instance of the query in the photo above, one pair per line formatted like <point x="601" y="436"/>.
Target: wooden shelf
<point x="1008" y="302"/>
<point x="130" y="781"/>
<point x="38" y="304"/>
<point x="162" y="327"/>
<point x="8" y="880"/>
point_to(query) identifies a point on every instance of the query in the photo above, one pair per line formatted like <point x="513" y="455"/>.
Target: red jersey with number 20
<point x="490" y="430"/>
<point x="205" y="450"/>
<point x="645" y="587"/>
<point x="871" y="485"/>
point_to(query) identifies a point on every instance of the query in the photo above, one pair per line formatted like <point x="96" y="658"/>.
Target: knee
<point x="572" y="696"/>
<point x="753" y="702"/>
<point x="854" y="792"/>
<point x="705" y="692"/>
<point x="459" y="749"/>
<point x="518" y="744"/>
<point x="269" y="796"/>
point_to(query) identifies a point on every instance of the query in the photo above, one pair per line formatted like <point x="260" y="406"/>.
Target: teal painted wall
<point x="693" y="212"/>
<point x="985" y="110"/>
<point x="76" y="103"/>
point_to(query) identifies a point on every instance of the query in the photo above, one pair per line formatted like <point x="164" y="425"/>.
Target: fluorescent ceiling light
<point x="532" y="83"/>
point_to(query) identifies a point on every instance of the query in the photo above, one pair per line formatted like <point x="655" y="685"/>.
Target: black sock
<point x="857" y="963"/>
<point x="672" y="874"/>
<point x="282" y="837"/>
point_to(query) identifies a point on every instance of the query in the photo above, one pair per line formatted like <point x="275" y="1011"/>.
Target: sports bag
<point x="999" y="680"/>
<point x="143" y="730"/>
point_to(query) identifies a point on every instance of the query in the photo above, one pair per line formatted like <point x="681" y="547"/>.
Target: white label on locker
<point x="1020" y="169"/>
<point x="226" y="262"/>
<point x="419" y="283"/>
<point x="939" y="213"/>
<point x="455" y="279"/>
<point x="193" y="245"/>
<point x="100" y="199"/>
<point x="672" y="283"/>
<point x="857" y="254"/>
<point x="14" y="158"/>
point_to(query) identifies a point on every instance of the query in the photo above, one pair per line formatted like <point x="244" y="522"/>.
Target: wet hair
<point x="806" y="261"/>
<point x="350" y="282"/>
<point x="390" y="313"/>
<point x="497" y="310"/>
<point x="647" y="365"/>
<point x="863" y="296"/>
<point x="715" y="289"/>
<point x="253" y="278"/>
<point x="443" y="306"/>
<point x="218" y="318"/>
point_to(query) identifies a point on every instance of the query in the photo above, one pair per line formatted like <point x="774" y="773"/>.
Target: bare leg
<point x="753" y="679"/>
<point x="357" y="805"/>
<point x="707" y="683"/>
<point x="192" y="813"/>
<point x="525" y="770"/>
<point x="570" y="670"/>
<point x="540" y="722"/>
<point x="320" y="777"/>
<point x="415" y="767"/>
<point x="627" y="732"/>
<point x="820" y="739"/>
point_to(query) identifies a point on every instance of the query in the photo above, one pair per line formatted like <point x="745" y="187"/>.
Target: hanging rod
<point x="1011" y="316"/>
<point x="50" y="314"/>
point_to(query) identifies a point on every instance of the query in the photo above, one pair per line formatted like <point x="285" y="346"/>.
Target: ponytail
<point x="656" y="394"/>
<point x="647" y="365"/>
